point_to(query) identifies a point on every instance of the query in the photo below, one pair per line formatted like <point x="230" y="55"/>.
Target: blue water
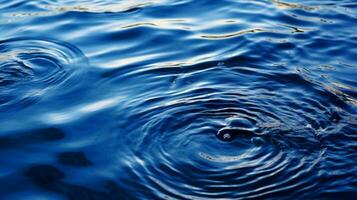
<point x="178" y="99"/>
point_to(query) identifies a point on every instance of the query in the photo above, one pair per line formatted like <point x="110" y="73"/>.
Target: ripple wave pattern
<point x="178" y="99"/>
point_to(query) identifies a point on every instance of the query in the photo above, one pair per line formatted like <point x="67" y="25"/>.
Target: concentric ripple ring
<point x="226" y="135"/>
<point x="33" y="67"/>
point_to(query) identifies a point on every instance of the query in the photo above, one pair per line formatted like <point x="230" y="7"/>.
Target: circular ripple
<point x="216" y="135"/>
<point x="30" y="68"/>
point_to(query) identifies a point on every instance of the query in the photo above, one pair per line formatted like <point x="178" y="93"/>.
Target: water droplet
<point x="227" y="136"/>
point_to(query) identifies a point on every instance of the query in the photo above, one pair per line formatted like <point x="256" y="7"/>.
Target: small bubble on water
<point x="227" y="136"/>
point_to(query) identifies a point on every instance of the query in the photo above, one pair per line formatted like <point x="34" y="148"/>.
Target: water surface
<point x="178" y="99"/>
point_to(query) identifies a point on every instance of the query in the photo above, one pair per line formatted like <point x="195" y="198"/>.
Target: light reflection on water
<point x="172" y="99"/>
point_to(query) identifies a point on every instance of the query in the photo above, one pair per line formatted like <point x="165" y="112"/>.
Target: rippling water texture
<point x="178" y="99"/>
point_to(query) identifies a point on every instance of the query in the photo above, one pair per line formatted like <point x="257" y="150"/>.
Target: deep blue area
<point x="178" y="99"/>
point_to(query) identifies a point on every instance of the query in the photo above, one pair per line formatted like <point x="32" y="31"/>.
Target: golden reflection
<point x="331" y="88"/>
<point x="343" y="96"/>
<point x="285" y="5"/>
<point x="347" y="87"/>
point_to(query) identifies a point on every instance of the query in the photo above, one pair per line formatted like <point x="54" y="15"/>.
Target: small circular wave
<point x="218" y="136"/>
<point x="29" y="68"/>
